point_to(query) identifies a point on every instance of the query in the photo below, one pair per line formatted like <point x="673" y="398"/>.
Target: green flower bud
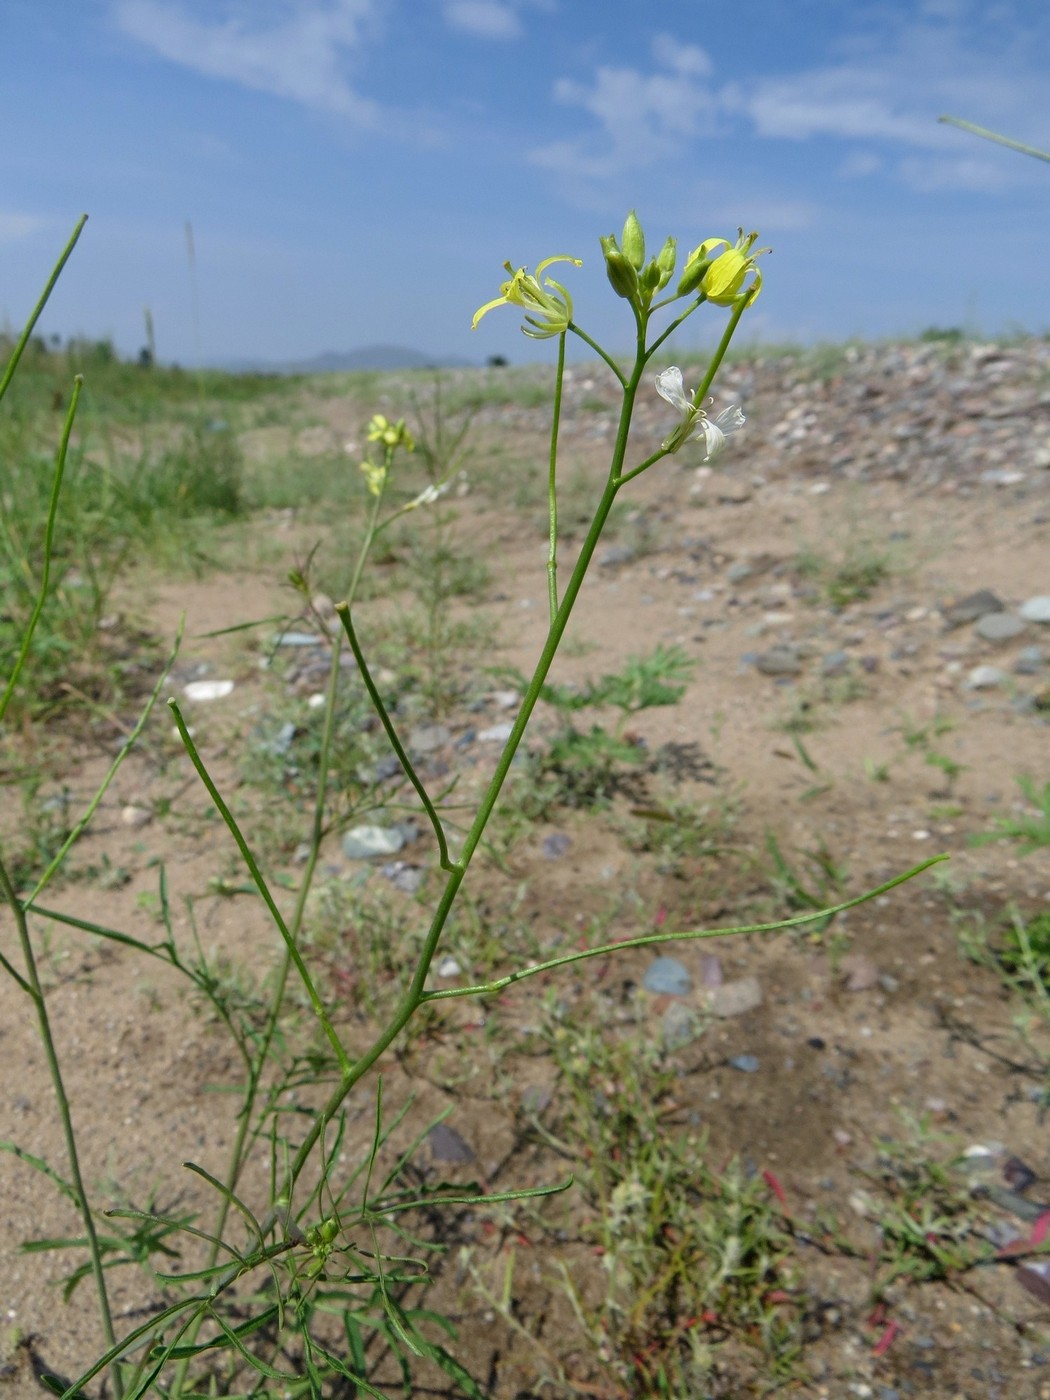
<point x="693" y="275"/>
<point x="633" y="241"/>
<point x="649" y="280"/>
<point x="665" y="261"/>
<point x="622" y="274"/>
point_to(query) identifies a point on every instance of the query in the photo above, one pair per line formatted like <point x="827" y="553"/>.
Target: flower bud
<point x="622" y="274"/>
<point x="633" y="241"/>
<point x="665" y="261"/>
<point x="695" y="268"/>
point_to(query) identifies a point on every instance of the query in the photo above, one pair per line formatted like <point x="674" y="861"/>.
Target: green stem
<point x="415" y="992"/>
<point x="552" y="492"/>
<point x="49" y="543"/>
<point x="343" y="611"/>
<point x="23" y="339"/>
<point x="36" y="991"/>
<point x="599" y="351"/>
<point x="237" y="1153"/>
<point x="994" y="136"/>
<point x="646" y="939"/>
<point x="103" y="788"/>
<point x="260" y="884"/>
<point x="674" y="324"/>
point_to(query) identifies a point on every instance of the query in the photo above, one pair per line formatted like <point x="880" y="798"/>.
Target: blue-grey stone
<point x="667" y="977"/>
<point x="447" y="1145"/>
<point x="747" y="1064"/>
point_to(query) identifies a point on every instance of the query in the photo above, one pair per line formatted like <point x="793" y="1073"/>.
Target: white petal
<point x="713" y="438"/>
<point x="730" y="419"/>
<point x="669" y="386"/>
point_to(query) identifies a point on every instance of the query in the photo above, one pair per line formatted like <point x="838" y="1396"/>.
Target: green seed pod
<point x="622" y="275"/>
<point x="633" y="242"/>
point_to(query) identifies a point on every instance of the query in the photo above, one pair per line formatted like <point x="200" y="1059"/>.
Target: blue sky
<point x="356" y="171"/>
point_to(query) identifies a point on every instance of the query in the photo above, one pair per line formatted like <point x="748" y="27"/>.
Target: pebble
<point x="667" y="977"/>
<point x="1030" y="661"/>
<point x="1036" y="609"/>
<point x="617" y="554"/>
<point x="834" y="663"/>
<point x="679" y="1026"/>
<point x="999" y="627"/>
<point x="447" y="1145"/>
<point x="425" y="738"/>
<point x="860" y="973"/>
<point x="496" y="733"/>
<point x="778" y="661"/>
<point x="973" y="606"/>
<point x="734" y="998"/>
<point x="984" y="678"/>
<point x="449" y="967"/>
<point x="746" y="1064"/>
<point x="403" y="876"/>
<point x="299" y="639"/>
<point x="365" y="842"/>
<point x="207" y="690"/>
<point x="556" y="844"/>
<point x="136" y="817"/>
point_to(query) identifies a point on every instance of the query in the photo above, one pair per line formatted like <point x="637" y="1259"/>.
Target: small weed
<point x="1030" y="830"/>
<point x="690" y="1256"/>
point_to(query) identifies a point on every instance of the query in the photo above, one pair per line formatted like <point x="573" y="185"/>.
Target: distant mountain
<point x="377" y="357"/>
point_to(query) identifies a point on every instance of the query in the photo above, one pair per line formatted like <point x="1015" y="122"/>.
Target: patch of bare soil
<point x="844" y="731"/>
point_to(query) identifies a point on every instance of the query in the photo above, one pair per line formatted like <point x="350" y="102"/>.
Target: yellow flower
<point x="551" y="310"/>
<point x="375" y="476"/>
<point x="722" y="278"/>
<point x="380" y="429"/>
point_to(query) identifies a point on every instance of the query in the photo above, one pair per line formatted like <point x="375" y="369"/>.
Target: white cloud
<point x="300" y="54"/>
<point x="484" y="19"/>
<point x="15" y="227"/>
<point x="642" y="117"/>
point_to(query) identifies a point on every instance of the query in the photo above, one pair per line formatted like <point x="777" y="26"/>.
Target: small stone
<point x="425" y="738"/>
<point x="535" y="1098"/>
<point x="679" y="1026"/>
<point x="447" y="1145"/>
<point x="1001" y="476"/>
<point x="299" y="639"/>
<point x="404" y="877"/>
<point x="616" y="555"/>
<point x="505" y="699"/>
<point x="136" y="817"/>
<point x="1036" y="609"/>
<point x="556" y="844"/>
<point x="734" y="998"/>
<point x="860" y="973"/>
<point x="834" y="663"/>
<point x="984" y="678"/>
<point x="711" y="970"/>
<point x="496" y="733"/>
<point x="999" y="627"/>
<point x="365" y="842"/>
<point x="207" y="690"/>
<point x="667" y="977"/>
<point x="973" y="606"/>
<point x="1030" y="661"/>
<point x="778" y="661"/>
<point x="731" y="491"/>
<point x="746" y="1064"/>
<point x="449" y="967"/>
<point x="1034" y="1278"/>
<point x="1017" y="1175"/>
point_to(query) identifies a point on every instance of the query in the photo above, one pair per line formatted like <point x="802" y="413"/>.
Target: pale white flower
<point x="695" y="423"/>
